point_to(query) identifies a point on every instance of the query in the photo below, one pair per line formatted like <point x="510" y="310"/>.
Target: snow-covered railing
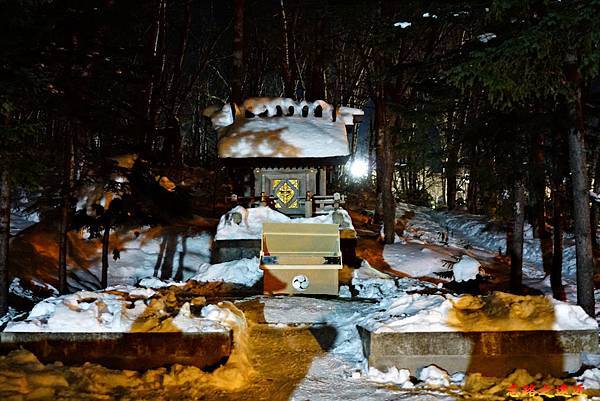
<point x="313" y="205"/>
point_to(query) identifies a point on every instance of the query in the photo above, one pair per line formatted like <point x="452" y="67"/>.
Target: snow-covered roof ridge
<point x="267" y="127"/>
<point x="279" y="107"/>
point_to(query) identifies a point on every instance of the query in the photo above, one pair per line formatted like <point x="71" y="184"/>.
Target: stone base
<point x="229" y="250"/>
<point x="135" y="351"/>
<point x="489" y="353"/>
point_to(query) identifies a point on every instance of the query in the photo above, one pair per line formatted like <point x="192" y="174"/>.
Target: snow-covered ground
<point x="476" y="236"/>
<point x="147" y="255"/>
<point x="337" y="370"/>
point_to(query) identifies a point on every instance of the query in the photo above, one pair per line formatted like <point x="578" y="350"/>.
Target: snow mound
<point x="466" y="269"/>
<point x="118" y="309"/>
<point x="497" y="312"/>
<point x="245" y="271"/>
<point x="433" y="376"/>
<point x="275" y="127"/>
<point x="250" y="226"/>
<point x="393" y="376"/>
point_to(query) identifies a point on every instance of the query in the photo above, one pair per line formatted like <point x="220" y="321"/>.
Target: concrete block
<point x="228" y="250"/>
<point x="489" y="353"/>
<point x="135" y="351"/>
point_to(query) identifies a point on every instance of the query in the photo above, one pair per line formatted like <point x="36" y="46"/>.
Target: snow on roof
<point x="276" y="127"/>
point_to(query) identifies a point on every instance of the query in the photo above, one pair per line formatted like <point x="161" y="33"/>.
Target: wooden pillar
<point x="308" y="205"/>
<point x="322" y="181"/>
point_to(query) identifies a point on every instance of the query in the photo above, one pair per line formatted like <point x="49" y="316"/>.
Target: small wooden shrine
<point x="287" y="149"/>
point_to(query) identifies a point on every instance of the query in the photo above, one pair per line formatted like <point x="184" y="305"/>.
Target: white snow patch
<point x="433" y="376"/>
<point x="413" y="259"/>
<point x="97" y="312"/>
<point x="402" y="24"/>
<point x="486" y="37"/>
<point x="590" y="379"/>
<point x="245" y="271"/>
<point x="373" y="284"/>
<point x="392" y="376"/>
<point x="153" y="282"/>
<point x="466" y="269"/>
<point x="83" y="311"/>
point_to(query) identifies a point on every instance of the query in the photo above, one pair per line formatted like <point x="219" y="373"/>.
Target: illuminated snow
<point x="269" y="135"/>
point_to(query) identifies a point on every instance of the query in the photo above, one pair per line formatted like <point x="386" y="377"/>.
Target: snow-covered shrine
<point x="284" y="151"/>
<point x="291" y="148"/>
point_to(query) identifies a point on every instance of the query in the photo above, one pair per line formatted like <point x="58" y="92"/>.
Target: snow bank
<point x="498" y="312"/>
<point x="477" y="231"/>
<point x="250" y="227"/>
<point x="20" y="220"/>
<point x="245" y="271"/>
<point x="140" y="253"/>
<point x="118" y="309"/>
<point x="266" y="134"/>
<point x="467" y="229"/>
<point x="83" y="311"/>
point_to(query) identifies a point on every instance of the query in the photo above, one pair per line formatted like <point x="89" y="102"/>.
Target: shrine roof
<point x="282" y="128"/>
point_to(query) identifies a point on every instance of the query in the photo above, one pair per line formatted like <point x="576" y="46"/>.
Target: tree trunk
<point x="170" y="249"/>
<point x="516" y="251"/>
<point x="4" y="239"/>
<point x="68" y="176"/>
<point x="472" y="193"/>
<point x="581" y="206"/>
<point x="288" y="77"/>
<point x="539" y="195"/>
<point x="558" y="290"/>
<point x="238" y="51"/>
<point x="595" y="210"/>
<point x="385" y="170"/>
<point x="451" y="171"/>
<point x="105" y="245"/>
